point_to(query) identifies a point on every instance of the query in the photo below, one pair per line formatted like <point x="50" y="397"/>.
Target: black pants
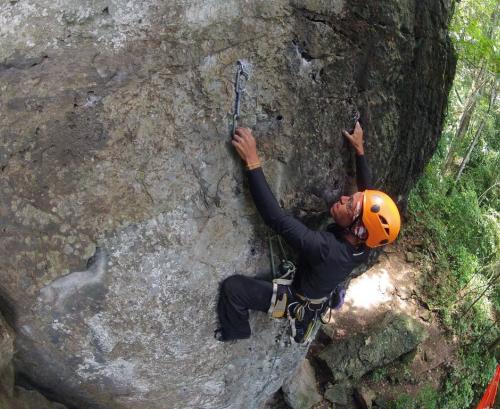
<point x="237" y="295"/>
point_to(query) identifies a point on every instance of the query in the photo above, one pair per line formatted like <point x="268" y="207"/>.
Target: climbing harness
<point x="303" y="314"/>
<point x="293" y="306"/>
<point x="239" y="89"/>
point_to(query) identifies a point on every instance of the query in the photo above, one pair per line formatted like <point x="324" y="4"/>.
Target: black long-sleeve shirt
<point x="325" y="260"/>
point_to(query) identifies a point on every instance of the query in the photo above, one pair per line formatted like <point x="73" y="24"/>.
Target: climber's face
<point x="343" y="211"/>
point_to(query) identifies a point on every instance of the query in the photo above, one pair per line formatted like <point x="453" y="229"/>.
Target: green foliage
<point x="379" y="374"/>
<point x="462" y="239"/>
<point x="457" y="213"/>
<point x="458" y="230"/>
<point x="427" y="398"/>
<point x="403" y="402"/>
<point x="474" y="372"/>
<point x="474" y="33"/>
<point x="473" y="113"/>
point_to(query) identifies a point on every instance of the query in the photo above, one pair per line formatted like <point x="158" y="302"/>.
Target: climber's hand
<point x="356" y="139"/>
<point x="245" y="145"/>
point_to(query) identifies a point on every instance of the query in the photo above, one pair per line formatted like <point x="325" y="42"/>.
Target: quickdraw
<point x="239" y="89"/>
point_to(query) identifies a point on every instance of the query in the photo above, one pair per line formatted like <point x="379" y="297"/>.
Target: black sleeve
<point x="363" y="174"/>
<point x="312" y="244"/>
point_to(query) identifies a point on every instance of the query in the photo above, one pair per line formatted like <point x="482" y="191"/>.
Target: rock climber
<point x="362" y="221"/>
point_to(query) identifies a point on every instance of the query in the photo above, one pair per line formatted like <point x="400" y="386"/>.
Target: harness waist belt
<point x="311" y="300"/>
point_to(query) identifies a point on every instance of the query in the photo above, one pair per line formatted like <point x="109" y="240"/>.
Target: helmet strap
<point x="349" y="230"/>
<point x="353" y="239"/>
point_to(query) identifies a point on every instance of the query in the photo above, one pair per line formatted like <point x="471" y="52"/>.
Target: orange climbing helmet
<point x="380" y="218"/>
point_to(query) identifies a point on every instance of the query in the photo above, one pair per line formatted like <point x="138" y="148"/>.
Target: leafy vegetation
<point x="455" y="208"/>
<point x="379" y="374"/>
<point x="426" y="399"/>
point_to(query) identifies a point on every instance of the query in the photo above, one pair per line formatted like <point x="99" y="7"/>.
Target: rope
<point x="283" y="253"/>
<point x="271" y="255"/>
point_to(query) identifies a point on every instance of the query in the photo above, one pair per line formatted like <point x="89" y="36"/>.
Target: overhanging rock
<point x="123" y="205"/>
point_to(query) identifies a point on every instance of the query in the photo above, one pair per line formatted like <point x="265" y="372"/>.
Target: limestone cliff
<point x="123" y="205"/>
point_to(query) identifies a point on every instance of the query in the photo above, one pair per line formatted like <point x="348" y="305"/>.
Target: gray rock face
<point x="6" y="344"/>
<point x="11" y="396"/>
<point x="28" y="399"/>
<point x="300" y="390"/>
<point x="394" y="336"/>
<point x="364" y="397"/>
<point x="123" y="205"/>
<point x="340" y="393"/>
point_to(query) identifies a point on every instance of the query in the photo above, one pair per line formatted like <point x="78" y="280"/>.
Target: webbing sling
<point x="277" y="309"/>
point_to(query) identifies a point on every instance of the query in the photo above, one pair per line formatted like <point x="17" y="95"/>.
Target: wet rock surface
<point x="123" y="205"/>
